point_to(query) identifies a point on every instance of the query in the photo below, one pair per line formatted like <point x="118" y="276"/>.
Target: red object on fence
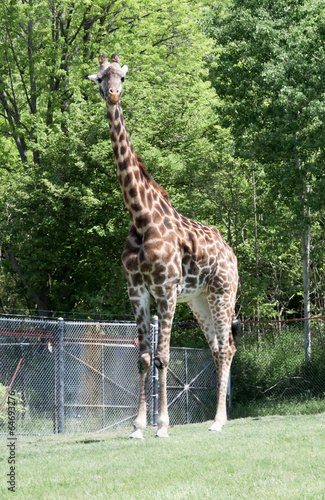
<point x="280" y="320"/>
<point x="23" y="333"/>
<point x="10" y="386"/>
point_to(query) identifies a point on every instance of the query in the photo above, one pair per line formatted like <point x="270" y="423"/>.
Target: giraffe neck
<point x="138" y="191"/>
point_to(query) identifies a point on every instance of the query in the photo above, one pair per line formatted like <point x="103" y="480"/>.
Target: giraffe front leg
<point x="141" y="420"/>
<point x="165" y="310"/>
<point x="163" y="417"/>
<point x="140" y="300"/>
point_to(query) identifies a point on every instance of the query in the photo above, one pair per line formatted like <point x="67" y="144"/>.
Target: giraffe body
<point x="171" y="259"/>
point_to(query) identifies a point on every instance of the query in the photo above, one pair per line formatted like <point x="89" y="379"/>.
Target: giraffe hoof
<point x="162" y="433"/>
<point x="136" y="434"/>
<point x="216" y="427"/>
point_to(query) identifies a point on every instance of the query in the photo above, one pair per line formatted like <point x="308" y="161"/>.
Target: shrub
<point x="19" y="407"/>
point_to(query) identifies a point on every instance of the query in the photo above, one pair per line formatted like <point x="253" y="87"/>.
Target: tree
<point x="62" y="221"/>
<point x="269" y="73"/>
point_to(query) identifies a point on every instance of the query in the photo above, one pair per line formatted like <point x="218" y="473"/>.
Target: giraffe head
<point x="110" y="79"/>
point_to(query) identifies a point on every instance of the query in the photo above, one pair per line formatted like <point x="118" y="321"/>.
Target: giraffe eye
<point x="122" y="79"/>
<point x="99" y="80"/>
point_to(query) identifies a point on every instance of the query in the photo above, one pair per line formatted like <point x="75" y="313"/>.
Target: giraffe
<point x="171" y="259"/>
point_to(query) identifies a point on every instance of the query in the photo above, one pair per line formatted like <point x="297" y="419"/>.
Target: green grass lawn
<point x="265" y="458"/>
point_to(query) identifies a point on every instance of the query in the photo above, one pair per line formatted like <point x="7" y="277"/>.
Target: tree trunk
<point x="305" y="248"/>
<point x="255" y="223"/>
<point x="305" y="251"/>
<point x="41" y="296"/>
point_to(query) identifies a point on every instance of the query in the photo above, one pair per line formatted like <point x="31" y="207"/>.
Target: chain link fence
<point x="25" y="344"/>
<point x="100" y="375"/>
<point x="270" y="373"/>
<point x="191" y="385"/>
<point x="82" y="376"/>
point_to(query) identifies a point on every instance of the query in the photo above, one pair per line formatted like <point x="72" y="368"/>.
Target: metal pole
<point x="103" y="389"/>
<point x="55" y="389"/>
<point x="154" y="372"/>
<point x="186" y="390"/>
<point x="61" y="378"/>
<point x="23" y="379"/>
<point x="44" y="365"/>
<point x="229" y="396"/>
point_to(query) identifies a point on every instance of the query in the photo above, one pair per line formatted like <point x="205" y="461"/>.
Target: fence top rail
<point x="43" y="320"/>
<point x="27" y="319"/>
<point x="55" y="319"/>
<point x="99" y="322"/>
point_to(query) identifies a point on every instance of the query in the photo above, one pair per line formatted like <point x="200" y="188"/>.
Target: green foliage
<point x="18" y="407"/>
<point x="269" y="372"/>
<point x="63" y="222"/>
<point x="221" y="100"/>
<point x="295" y="406"/>
<point x="267" y="72"/>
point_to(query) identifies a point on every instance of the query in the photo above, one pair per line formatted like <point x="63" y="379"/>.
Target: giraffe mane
<point x="149" y="178"/>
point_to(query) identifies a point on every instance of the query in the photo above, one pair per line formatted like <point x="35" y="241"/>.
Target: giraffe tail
<point x="235" y="328"/>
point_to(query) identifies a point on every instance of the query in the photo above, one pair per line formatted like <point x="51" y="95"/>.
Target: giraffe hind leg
<point x="201" y="310"/>
<point x="222" y="303"/>
<point x="220" y="340"/>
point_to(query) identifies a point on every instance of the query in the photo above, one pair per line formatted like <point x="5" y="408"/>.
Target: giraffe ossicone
<point x="170" y="258"/>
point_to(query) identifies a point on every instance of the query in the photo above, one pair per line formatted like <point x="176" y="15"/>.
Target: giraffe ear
<point x="124" y="68"/>
<point x="93" y="78"/>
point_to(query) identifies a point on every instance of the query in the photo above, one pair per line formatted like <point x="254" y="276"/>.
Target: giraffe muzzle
<point x="113" y="97"/>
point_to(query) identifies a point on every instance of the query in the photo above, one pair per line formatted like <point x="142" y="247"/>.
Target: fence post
<point x="23" y="399"/>
<point x="61" y="378"/>
<point x="228" y="400"/>
<point x="186" y="387"/>
<point x="154" y="418"/>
